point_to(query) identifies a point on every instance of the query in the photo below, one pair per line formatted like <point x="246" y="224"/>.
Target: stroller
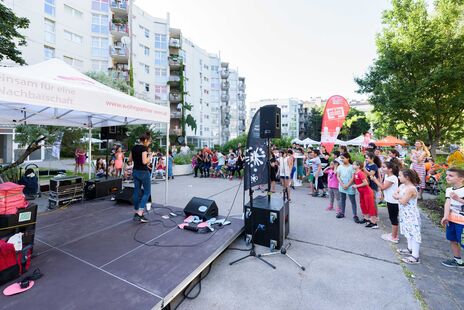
<point x="30" y="180"/>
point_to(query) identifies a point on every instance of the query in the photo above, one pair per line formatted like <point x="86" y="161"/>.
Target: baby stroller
<point x="30" y="180"/>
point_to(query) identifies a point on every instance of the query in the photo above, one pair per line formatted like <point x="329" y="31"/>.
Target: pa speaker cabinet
<point x="97" y="188"/>
<point x="267" y="223"/>
<point x="269" y="122"/>
<point x="126" y="195"/>
<point x="201" y="207"/>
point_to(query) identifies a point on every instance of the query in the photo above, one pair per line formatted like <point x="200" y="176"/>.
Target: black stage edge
<point x="90" y="260"/>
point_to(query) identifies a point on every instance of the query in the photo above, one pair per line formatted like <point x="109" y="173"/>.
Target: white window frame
<point x="51" y="49"/>
<point x="52" y="5"/>
<point x="51" y="34"/>
<point x="72" y="11"/>
<point x="161" y="58"/>
<point x="73" y="37"/>
<point x="101" y="47"/>
<point x="103" y="24"/>
<point x="161" y="41"/>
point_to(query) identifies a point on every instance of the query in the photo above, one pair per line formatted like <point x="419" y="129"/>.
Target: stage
<point x="90" y="259"/>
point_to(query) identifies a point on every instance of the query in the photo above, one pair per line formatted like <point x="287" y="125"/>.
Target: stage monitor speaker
<point x="203" y="208"/>
<point x="113" y="132"/>
<point x="269" y="122"/>
<point x="126" y="195"/>
<point x="97" y="188"/>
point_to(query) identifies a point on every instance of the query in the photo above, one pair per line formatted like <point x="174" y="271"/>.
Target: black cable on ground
<point x="188" y="289"/>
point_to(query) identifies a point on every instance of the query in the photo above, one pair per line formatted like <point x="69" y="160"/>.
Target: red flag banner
<point x="335" y="112"/>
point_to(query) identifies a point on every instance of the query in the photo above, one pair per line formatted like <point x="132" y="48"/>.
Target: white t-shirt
<point x="388" y="193"/>
<point x="455" y="205"/>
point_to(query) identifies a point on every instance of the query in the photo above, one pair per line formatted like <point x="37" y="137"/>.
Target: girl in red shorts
<point x="366" y="196"/>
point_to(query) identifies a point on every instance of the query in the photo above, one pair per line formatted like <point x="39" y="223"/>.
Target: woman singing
<point x="141" y="158"/>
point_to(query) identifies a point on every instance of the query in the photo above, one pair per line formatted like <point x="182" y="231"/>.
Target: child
<point x="345" y="175"/>
<point x="100" y="169"/>
<point x="112" y="168"/>
<point x="332" y="181"/>
<point x="454" y="215"/>
<point x="410" y="224"/>
<point x="273" y="174"/>
<point x="389" y="187"/>
<point x="170" y="162"/>
<point x="366" y="196"/>
<point x="160" y="169"/>
<point x="317" y="173"/>
<point x="119" y="160"/>
<point x="371" y="169"/>
<point x="128" y="170"/>
<point x="214" y="163"/>
<point x="231" y="165"/>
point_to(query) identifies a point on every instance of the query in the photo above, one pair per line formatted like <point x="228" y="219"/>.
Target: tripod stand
<point x="284" y="248"/>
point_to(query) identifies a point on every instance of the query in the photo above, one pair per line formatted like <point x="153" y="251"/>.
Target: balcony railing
<point x="121" y="4"/>
<point x="119" y="74"/>
<point x="225" y="85"/>
<point x="225" y="74"/>
<point x="176" y="43"/>
<point x="175" y="97"/>
<point x="176" y="115"/>
<point x="175" y="61"/>
<point x="175" y="131"/>
<point x="241" y="86"/>
<point x="241" y="96"/>
<point x="119" y="28"/>
<point x="122" y="51"/>
<point x="225" y="98"/>
<point x="174" y="80"/>
<point x="226" y="109"/>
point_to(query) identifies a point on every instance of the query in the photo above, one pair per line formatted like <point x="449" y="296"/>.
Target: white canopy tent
<point x="54" y="93"/>
<point x="358" y="141"/>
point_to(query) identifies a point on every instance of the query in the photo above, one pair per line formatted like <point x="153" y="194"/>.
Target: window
<point x="147" y="33"/>
<point x="49" y="52"/>
<point x="161" y="58"/>
<point x="73" y="62"/>
<point x="100" y="23"/>
<point x="147" y="87"/>
<point x="146" y="51"/>
<point x="49" y="7"/>
<point x="160" y="41"/>
<point x="72" y="11"/>
<point x="161" y="92"/>
<point x="100" y="5"/>
<point x="99" y="65"/>
<point x="73" y="37"/>
<point x="147" y="69"/>
<point x="161" y="72"/>
<point x="49" y="31"/>
<point x="99" y="47"/>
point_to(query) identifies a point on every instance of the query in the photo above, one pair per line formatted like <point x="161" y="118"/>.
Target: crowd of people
<point x="207" y="163"/>
<point x="377" y="179"/>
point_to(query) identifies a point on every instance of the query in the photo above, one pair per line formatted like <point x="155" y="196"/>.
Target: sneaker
<point x="388" y="237"/>
<point x="356" y="219"/>
<point x="363" y="221"/>
<point x="375" y="226"/>
<point x="452" y="263"/>
<point x="143" y="219"/>
<point x="340" y="215"/>
<point x="325" y="194"/>
<point x="372" y="225"/>
<point x="136" y="217"/>
<point x="368" y="222"/>
<point x="404" y="251"/>
<point x="321" y="195"/>
<point x="315" y="194"/>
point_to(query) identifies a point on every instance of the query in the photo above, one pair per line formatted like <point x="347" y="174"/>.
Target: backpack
<point x="12" y="263"/>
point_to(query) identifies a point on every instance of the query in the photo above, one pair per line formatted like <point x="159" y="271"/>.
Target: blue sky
<point x="293" y="48"/>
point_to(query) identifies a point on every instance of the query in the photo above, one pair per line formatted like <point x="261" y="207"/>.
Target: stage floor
<point x="90" y="259"/>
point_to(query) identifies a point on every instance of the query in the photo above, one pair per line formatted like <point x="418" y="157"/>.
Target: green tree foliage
<point x="27" y="134"/>
<point x="355" y="124"/>
<point x="314" y="123"/>
<point x="232" y="144"/>
<point x="417" y="81"/>
<point x="9" y="35"/>
<point x="104" y="78"/>
<point x="282" y="143"/>
<point x="135" y="131"/>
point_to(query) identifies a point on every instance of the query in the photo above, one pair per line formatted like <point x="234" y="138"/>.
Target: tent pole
<point x="90" y="152"/>
<point x="167" y="166"/>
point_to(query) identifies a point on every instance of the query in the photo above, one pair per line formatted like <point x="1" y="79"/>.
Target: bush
<point x="232" y="144"/>
<point x="181" y="159"/>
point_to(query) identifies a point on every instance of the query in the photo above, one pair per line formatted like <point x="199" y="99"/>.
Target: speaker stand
<point x="253" y="254"/>
<point x="284" y="248"/>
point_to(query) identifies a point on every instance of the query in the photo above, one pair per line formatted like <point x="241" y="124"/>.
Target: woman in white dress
<point x="410" y="223"/>
<point x="285" y="168"/>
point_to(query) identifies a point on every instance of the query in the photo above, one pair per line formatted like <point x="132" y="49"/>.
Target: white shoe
<point x="388" y="237"/>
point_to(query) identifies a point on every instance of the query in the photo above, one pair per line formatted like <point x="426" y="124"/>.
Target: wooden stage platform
<point x="90" y="259"/>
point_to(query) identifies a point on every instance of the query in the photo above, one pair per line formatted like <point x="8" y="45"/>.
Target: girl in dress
<point x="418" y="157"/>
<point x="285" y="168"/>
<point x="118" y="162"/>
<point x="366" y="196"/>
<point x="410" y="223"/>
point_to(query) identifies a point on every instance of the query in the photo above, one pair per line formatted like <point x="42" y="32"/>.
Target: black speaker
<point x="113" y="132"/>
<point x="103" y="187"/>
<point x="203" y="208"/>
<point x="269" y="122"/>
<point x="126" y="195"/>
<point x="266" y="222"/>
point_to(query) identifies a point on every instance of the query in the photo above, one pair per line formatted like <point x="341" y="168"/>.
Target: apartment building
<point x="289" y="114"/>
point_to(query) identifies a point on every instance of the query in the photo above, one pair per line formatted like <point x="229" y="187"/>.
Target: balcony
<point x="225" y="98"/>
<point x="119" y="53"/>
<point x="176" y="131"/>
<point x="119" y="75"/>
<point x="175" y="43"/>
<point x="118" y="31"/>
<point x="174" y="80"/>
<point x="176" y="115"/>
<point x="226" y="109"/>
<point x="225" y="74"/>
<point x="175" y="97"/>
<point x="241" y="86"/>
<point x="225" y="85"/>
<point x="119" y="7"/>
<point x="241" y="127"/>
<point x="241" y="96"/>
<point x="175" y="62"/>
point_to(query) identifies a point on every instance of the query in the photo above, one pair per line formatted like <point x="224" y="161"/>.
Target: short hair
<point x="458" y="171"/>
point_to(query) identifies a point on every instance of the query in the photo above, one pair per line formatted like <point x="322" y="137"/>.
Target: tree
<point x="417" y="81"/>
<point x="9" y="35"/>
<point x="314" y="123"/>
<point x="355" y="124"/>
<point x="106" y="79"/>
<point x="135" y="131"/>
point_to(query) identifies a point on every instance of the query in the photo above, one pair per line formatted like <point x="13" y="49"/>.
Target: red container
<point x="11" y="198"/>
